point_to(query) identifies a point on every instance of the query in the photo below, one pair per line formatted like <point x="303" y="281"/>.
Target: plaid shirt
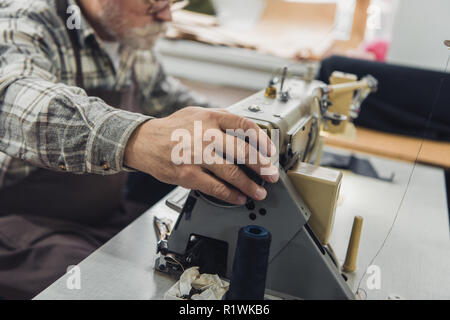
<point x="45" y="120"/>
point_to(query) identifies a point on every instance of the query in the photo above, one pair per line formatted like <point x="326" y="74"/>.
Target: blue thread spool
<point x="251" y="260"/>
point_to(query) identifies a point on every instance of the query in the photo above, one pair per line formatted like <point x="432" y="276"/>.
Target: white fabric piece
<point x="211" y="286"/>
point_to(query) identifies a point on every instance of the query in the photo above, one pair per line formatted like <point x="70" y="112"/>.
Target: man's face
<point x="135" y="23"/>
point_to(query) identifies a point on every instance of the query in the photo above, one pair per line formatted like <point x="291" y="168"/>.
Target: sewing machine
<point x="299" y="209"/>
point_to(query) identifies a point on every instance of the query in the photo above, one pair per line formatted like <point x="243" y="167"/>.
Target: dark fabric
<point x="354" y="164"/>
<point x="35" y="251"/>
<point x="144" y="188"/>
<point x="404" y="99"/>
<point x="87" y="199"/>
<point x="53" y="220"/>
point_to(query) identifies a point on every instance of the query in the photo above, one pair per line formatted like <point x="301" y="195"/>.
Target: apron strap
<point x="61" y="7"/>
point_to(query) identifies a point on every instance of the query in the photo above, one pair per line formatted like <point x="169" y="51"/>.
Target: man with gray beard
<point x="84" y="101"/>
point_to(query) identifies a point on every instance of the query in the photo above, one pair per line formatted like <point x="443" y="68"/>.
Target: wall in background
<point x="420" y="29"/>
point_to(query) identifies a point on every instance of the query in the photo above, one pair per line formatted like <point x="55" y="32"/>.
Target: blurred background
<point x="240" y="43"/>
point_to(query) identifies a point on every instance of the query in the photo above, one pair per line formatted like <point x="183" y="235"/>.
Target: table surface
<point x="436" y="153"/>
<point x="413" y="262"/>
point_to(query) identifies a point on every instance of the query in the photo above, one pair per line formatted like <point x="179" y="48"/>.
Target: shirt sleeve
<point x="50" y="124"/>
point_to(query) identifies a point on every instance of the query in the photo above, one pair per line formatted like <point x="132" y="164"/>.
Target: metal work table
<point x="414" y="262"/>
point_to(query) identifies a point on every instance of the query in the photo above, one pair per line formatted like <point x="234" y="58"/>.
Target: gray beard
<point x="143" y="38"/>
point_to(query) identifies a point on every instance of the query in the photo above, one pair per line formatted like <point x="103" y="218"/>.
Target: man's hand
<point x="150" y="150"/>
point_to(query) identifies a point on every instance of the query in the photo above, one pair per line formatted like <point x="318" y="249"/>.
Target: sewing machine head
<point x="299" y="109"/>
<point x="299" y="209"/>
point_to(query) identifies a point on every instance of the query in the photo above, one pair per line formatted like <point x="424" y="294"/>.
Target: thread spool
<point x="353" y="245"/>
<point x="248" y="280"/>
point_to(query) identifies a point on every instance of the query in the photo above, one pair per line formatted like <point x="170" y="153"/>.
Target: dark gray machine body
<point x="298" y="264"/>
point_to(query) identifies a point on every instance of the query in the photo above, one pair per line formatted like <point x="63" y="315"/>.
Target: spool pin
<point x="353" y="245"/>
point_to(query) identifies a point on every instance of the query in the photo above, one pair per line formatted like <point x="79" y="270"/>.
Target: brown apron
<point x="52" y="220"/>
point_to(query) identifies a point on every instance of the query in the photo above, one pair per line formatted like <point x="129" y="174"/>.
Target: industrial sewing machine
<point x="299" y="209"/>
